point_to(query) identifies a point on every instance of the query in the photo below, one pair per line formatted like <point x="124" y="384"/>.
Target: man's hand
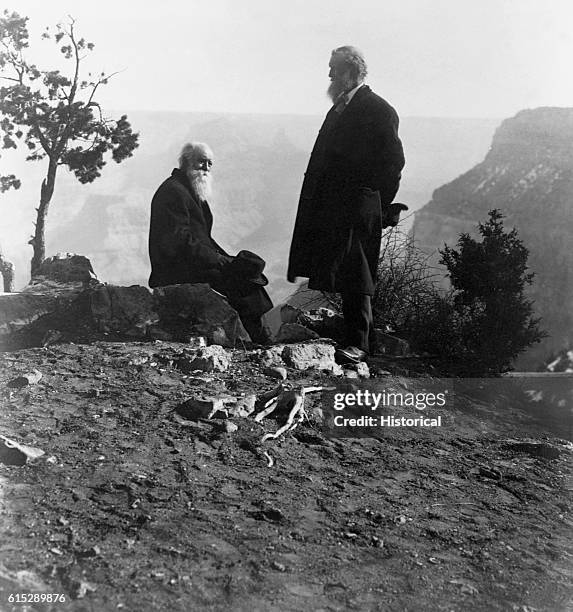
<point x="225" y="260"/>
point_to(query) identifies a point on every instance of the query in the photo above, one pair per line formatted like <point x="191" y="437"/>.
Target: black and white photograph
<point x="286" y="306"/>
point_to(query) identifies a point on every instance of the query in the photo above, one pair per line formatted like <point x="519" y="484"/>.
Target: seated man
<point x="182" y="250"/>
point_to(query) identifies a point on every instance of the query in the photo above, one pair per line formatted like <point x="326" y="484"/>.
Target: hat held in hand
<point x="391" y="214"/>
<point x="249" y="266"/>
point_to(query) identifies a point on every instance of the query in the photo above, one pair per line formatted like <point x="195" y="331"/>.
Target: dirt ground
<point x="132" y="508"/>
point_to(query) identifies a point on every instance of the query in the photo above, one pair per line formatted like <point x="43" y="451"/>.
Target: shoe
<point x="350" y="354"/>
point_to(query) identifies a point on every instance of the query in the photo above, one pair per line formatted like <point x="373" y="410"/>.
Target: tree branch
<point x="100" y="81"/>
<point x="74" y="87"/>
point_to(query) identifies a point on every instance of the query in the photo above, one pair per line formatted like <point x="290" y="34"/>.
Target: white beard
<point x="201" y="183"/>
<point x="339" y="86"/>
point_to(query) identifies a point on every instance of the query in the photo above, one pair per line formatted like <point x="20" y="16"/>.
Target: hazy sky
<point x="448" y="58"/>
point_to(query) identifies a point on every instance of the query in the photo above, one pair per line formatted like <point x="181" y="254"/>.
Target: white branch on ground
<point x="297" y="412"/>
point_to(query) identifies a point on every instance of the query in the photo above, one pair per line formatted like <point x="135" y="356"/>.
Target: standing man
<point x="352" y="177"/>
<point x="182" y="250"/>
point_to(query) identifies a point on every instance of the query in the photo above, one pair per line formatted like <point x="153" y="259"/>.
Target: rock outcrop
<point x="197" y="310"/>
<point x="65" y="302"/>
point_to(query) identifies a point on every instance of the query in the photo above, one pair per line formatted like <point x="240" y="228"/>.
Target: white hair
<point x="354" y="59"/>
<point x="189" y="153"/>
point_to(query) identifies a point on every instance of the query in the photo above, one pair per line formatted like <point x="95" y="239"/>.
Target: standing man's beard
<point x="201" y="183"/>
<point x="339" y="86"/>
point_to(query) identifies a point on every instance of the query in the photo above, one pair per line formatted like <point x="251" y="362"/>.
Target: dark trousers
<point x="251" y="301"/>
<point x="358" y="321"/>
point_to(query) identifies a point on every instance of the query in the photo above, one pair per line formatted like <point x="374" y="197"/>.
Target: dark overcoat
<point x="354" y="171"/>
<point x="181" y="248"/>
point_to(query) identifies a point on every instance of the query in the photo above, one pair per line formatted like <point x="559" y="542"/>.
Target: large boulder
<point x="46" y="303"/>
<point x="119" y="310"/>
<point x="64" y="273"/>
<point x="314" y="355"/>
<point x="18" y="312"/>
<point x="65" y="301"/>
<point x="294" y="332"/>
<point x="197" y="310"/>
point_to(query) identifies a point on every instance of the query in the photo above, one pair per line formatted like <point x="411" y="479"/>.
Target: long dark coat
<point x="181" y="248"/>
<point x="354" y="171"/>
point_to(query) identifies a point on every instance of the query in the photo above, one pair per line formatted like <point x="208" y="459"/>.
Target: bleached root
<point x="293" y="398"/>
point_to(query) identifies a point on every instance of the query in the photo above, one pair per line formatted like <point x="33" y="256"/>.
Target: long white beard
<point x="338" y="86"/>
<point x="201" y="183"/>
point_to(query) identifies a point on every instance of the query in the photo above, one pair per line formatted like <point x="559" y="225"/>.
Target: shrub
<point x="489" y="278"/>
<point x="406" y="283"/>
<point x="479" y="326"/>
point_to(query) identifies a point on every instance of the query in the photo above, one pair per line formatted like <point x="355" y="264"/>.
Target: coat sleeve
<point x="181" y="232"/>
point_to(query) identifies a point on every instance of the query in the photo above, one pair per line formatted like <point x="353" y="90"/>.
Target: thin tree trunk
<point x="38" y="241"/>
<point x="7" y="271"/>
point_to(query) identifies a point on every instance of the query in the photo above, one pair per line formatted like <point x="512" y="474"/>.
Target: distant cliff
<point x="528" y="175"/>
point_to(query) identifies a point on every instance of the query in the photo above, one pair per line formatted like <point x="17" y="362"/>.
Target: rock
<point x="18" y="312"/>
<point x="315" y="414"/>
<point x="535" y="448"/>
<point x="294" y="332"/>
<point x="122" y="310"/>
<point x="64" y="301"/>
<point x="193" y="409"/>
<point x="337" y="370"/>
<point x="325" y="322"/>
<point x="209" y="359"/>
<point x="198" y="341"/>
<point x="11" y="456"/>
<point x="317" y="356"/>
<point x="65" y="268"/>
<point x="357" y="370"/>
<point x="390" y="345"/>
<point x="78" y="590"/>
<point x="487" y="472"/>
<point x="31" y="378"/>
<point x="276" y="372"/>
<point x="13" y="453"/>
<point x="228" y="427"/>
<point x="275" y="317"/>
<point x="272" y="357"/>
<point x="271" y="514"/>
<point x="242" y="407"/>
<point x="195" y="309"/>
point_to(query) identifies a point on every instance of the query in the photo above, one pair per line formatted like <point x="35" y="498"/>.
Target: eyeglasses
<point x="204" y="162"/>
